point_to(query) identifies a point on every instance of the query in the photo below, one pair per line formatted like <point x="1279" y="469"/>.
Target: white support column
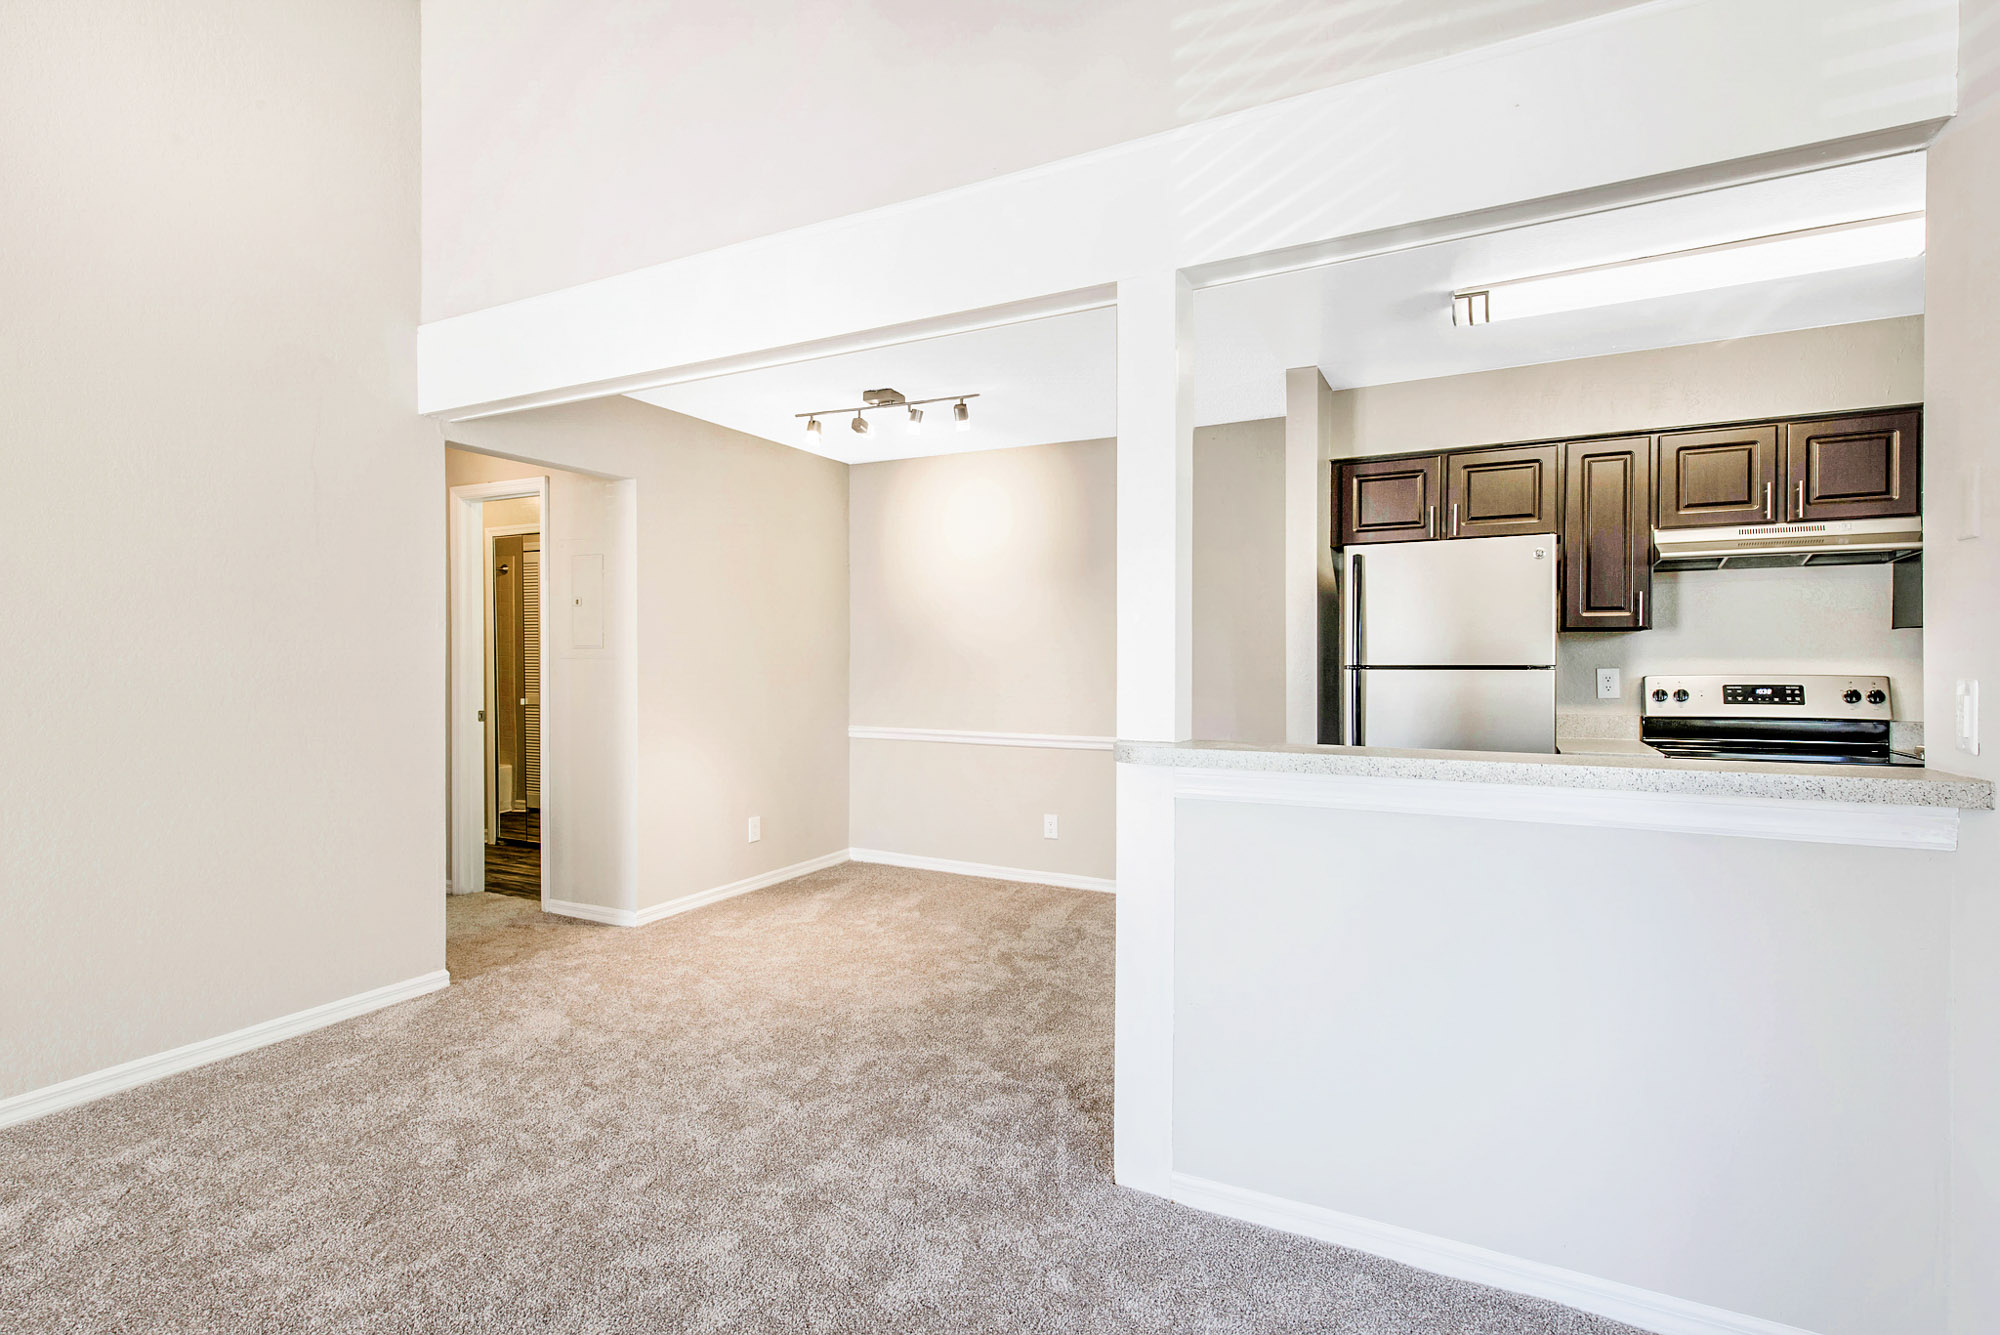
<point x="1155" y="699"/>
<point x="1308" y="538"/>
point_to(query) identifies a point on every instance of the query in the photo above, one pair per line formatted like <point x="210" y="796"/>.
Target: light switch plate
<point x="1965" y="716"/>
<point x="1608" y="687"/>
<point x="756" y="828"/>
<point x="1048" y="827"/>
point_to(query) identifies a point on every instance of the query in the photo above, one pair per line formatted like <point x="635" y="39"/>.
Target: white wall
<point x="1239" y="581"/>
<point x="739" y="607"/>
<point x="982" y="593"/>
<point x="1708" y="1067"/>
<point x="1962" y="626"/>
<point x="565" y="141"/>
<point x="589" y="694"/>
<point x="1824" y="619"/>
<point x="223" y="755"/>
<point x="1865" y="365"/>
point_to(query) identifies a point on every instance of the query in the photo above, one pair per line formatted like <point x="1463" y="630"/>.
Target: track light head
<point x="916" y="420"/>
<point x="962" y="416"/>
<point x="812" y="430"/>
<point x="860" y="425"/>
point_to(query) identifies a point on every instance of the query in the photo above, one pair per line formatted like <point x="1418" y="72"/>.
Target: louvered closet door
<point x="531" y="673"/>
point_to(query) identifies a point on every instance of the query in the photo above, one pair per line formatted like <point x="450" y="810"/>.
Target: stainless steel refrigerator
<point x="1450" y="645"/>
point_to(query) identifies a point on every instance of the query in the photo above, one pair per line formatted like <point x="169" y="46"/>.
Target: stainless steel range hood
<point x="1844" y="542"/>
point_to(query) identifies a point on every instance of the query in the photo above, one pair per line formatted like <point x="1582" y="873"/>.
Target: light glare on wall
<point x="1732" y="264"/>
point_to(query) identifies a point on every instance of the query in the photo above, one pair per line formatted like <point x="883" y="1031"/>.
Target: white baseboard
<point x="1459" y="1260"/>
<point x="1058" y="878"/>
<point x="144" y="1070"/>
<point x="655" y="912"/>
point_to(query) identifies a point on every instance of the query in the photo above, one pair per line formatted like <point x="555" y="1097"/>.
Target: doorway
<point x="499" y="746"/>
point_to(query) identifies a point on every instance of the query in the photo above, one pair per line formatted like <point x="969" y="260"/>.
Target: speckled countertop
<point x="1708" y="778"/>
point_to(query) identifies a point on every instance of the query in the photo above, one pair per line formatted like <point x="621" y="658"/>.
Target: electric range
<point x="1825" y="720"/>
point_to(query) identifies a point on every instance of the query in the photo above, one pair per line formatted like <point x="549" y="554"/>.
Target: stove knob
<point x="1852" y="696"/>
<point x="1660" y="695"/>
<point x="1680" y="696"/>
<point x="1877" y="697"/>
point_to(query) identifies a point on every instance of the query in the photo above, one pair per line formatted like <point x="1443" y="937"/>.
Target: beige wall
<point x="222" y="762"/>
<point x="1809" y="370"/>
<point x="1239" y="581"/>
<point x="566" y="141"/>
<point x="984" y="601"/>
<point x="740" y="621"/>
<point x="1962" y="627"/>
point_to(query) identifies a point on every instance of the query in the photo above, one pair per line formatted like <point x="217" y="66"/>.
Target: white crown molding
<point x="654" y="912"/>
<point x="1871" y="824"/>
<point x="144" y="1070"/>
<point x="1460" y="1260"/>
<point x="1050" y="740"/>
<point x="1062" y="879"/>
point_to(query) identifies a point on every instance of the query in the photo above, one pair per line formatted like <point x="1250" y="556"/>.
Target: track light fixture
<point x="888" y="398"/>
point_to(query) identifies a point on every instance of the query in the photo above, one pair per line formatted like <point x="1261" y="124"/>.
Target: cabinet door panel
<point x="1607" y="541"/>
<point x="1729" y="476"/>
<point x="1852" y="468"/>
<point x="1389" y="500"/>
<point x="1500" y="493"/>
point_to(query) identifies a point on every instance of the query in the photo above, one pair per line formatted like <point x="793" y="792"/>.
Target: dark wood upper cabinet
<point x="1717" y="477"/>
<point x="1607" y="534"/>
<point x="1390" y="500"/>
<point x="1852" y="467"/>
<point x="1500" y="492"/>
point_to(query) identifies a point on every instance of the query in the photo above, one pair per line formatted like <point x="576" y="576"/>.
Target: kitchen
<point x="1474" y="580"/>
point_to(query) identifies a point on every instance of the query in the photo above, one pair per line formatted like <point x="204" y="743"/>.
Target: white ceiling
<point x="1369" y="321"/>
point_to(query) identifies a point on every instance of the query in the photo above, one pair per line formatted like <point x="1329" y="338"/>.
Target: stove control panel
<point x="1754" y="695"/>
<point x="1775" y="693"/>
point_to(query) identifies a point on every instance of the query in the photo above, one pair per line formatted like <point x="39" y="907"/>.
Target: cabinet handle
<point x="1767" y="503"/>
<point x="1454" y="519"/>
<point x="1430" y="521"/>
<point x="1800" y="513"/>
<point x="1641" y="624"/>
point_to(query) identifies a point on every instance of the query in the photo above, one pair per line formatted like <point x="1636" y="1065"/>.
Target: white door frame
<point x="471" y="581"/>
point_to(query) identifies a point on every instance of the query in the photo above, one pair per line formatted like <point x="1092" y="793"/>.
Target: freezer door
<point x="1467" y="602"/>
<point x="1443" y="709"/>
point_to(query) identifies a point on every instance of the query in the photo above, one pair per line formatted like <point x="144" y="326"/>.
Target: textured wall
<point x="223" y="748"/>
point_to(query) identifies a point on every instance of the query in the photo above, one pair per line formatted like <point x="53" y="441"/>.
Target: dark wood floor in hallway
<point x="514" y="864"/>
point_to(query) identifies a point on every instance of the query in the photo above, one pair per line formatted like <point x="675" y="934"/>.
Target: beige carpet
<point x="870" y="1100"/>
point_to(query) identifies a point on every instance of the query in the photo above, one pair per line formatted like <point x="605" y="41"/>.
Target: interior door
<point x="531" y="668"/>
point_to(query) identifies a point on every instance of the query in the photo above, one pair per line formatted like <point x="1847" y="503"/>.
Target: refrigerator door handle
<point x="1357" y="649"/>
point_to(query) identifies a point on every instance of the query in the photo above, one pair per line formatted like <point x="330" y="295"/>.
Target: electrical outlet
<point x="756" y="828"/>
<point x="1048" y="826"/>
<point x="1965" y="716"/>
<point x="1608" y="687"/>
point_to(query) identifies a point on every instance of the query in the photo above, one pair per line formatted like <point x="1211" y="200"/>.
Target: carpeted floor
<point x="870" y="1100"/>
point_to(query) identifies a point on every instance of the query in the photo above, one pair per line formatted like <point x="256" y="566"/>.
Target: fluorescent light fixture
<point x="1732" y="264"/>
